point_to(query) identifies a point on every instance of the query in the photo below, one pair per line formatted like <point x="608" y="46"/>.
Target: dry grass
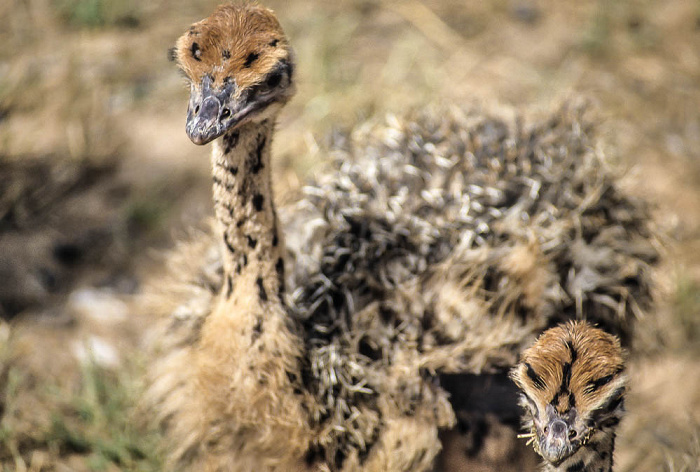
<point x="88" y="80"/>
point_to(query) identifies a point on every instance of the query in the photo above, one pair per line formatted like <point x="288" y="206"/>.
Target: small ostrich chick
<point x="573" y="386"/>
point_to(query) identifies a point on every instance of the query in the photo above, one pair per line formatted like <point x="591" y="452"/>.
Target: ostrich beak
<point x="212" y="112"/>
<point x="209" y="113"/>
<point x="561" y="437"/>
<point x="554" y="445"/>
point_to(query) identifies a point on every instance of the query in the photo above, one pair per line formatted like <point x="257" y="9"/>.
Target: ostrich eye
<point x="274" y="80"/>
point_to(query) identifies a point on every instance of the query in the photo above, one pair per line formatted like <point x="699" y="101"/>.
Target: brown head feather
<point x="593" y="358"/>
<point x="237" y="42"/>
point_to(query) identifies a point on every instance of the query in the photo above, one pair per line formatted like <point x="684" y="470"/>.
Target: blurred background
<point x="97" y="178"/>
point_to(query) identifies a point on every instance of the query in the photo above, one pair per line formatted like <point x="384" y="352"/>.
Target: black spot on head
<point x="252" y="57"/>
<point x="274" y="43"/>
<point x="196" y="52"/>
<point x="245" y="260"/>
<point x="572" y="352"/>
<point x="594" y="385"/>
<point x="240" y="223"/>
<point x="566" y="376"/>
<point x="226" y="54"/>
<point x="258" y="201"/>
<point x="252" y="242"/>
<point x="275" y="239"/>
<point x="536" y="379"/>
<point x="261" y="289"/>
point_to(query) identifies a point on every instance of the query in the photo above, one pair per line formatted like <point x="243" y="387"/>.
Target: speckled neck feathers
<point x="244" y="207"/>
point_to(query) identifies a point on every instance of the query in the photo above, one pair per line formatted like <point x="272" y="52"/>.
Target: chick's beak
<point x="209" y="111"/>
<point x="559" y="436"/>
<point x="554" y="444"/>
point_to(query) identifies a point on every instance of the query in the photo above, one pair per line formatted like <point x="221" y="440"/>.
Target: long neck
<point x="244" y="207"/>
<point x="595" y="456"/>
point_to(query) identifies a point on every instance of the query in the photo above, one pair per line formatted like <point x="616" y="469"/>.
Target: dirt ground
<point x="97" y="177"/>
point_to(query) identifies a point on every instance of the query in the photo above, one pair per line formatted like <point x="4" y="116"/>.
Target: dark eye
<point x="225" y="113"/>
<point x="274" y="80"/>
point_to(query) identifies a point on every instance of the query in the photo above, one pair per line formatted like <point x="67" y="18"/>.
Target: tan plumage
<point x="442" y="242"/>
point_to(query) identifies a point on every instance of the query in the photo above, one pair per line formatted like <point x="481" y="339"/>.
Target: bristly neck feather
<point x="243" y="203"/>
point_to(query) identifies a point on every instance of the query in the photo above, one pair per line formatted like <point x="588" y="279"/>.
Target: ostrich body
<point x="438" y="243"/>
<point x="573" y="385"/>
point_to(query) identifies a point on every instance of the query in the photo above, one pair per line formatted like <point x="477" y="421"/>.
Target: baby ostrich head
<point x="239" y="65"/>
<point x="573" y="383"/>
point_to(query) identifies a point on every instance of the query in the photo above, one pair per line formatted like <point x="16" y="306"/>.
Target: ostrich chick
<point x="240" y="393"/>
<point x="573" y="385"/>
<point x="240" y="388"/>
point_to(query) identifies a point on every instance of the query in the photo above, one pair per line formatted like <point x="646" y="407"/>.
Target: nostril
<point x="225" y="113"/>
